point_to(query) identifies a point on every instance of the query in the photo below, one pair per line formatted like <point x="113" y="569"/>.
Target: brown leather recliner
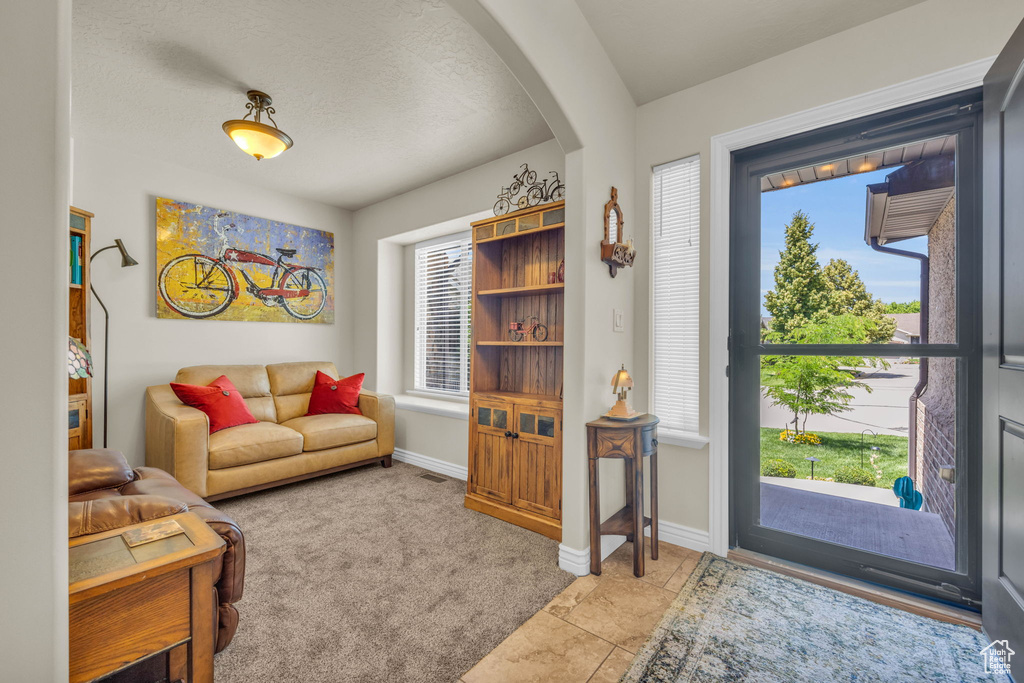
<point x="105" y="493"/>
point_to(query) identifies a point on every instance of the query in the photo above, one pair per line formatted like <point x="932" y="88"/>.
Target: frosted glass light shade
<point x="257" y="139"/>
<point x="622" y="380"/>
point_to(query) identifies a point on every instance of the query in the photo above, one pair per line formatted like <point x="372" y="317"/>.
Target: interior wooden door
<point x="537" y="461"/>
<point x="492" y="450"/>
<point x="1003" y="435"/>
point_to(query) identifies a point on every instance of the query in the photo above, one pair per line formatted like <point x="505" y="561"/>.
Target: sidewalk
<point x="869" y="494"/>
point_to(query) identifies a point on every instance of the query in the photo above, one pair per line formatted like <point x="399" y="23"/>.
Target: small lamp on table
<point x="621" y="384"/>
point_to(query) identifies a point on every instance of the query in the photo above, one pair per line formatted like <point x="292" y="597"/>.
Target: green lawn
<point x="838" y="449"/>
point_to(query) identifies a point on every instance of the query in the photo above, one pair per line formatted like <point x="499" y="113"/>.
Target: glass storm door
<point x="855" y="348"/>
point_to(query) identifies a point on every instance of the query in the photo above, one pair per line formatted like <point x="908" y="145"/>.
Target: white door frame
<point x="917" y="90"/>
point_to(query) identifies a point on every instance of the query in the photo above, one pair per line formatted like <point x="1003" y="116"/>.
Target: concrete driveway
<point x="885" y="410"/>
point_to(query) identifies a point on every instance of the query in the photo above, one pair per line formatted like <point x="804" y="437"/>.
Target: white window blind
<point x="443" y="281"/>
<point x="676" y="295"/>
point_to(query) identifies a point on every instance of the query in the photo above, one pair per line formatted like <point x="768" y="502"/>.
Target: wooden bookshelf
<point x="515" y="440"/>
<point x="79" y="390"/>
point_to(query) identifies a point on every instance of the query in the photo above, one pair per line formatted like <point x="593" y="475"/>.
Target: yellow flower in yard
<point x="789" y="436"/>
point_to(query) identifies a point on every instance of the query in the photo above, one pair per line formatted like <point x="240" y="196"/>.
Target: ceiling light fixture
<point x="254" y="137"/>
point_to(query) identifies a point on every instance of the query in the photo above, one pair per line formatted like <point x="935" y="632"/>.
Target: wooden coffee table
<point x="130" y="603"/>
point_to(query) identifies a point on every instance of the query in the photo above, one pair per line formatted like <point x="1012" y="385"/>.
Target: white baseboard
<point x="574" y="561"/>
<point x="578" y="561"/>
<point x="433" y="464"/>
<point x="682" y="536"/>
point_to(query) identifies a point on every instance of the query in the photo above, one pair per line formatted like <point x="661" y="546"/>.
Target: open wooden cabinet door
<point x="1003" y="378"/>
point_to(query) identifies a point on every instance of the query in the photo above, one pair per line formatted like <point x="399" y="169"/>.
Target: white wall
<point x="121" y="189"/>
<point x="35" y="53"/>
<point x="383" y="309"/>
<point x="914" y="42"/>
<point x="578" y="83"/>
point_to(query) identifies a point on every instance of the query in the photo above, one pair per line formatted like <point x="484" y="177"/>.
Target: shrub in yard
<point x="799" y="437"/>
<point x="778" y="468"/>
<point x="855" y="475"/>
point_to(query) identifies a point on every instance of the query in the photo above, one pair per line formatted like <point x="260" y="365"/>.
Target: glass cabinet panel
<point x="554" y="217"/>
<point x="526" y="423"/>
<point x="529" y="222"/>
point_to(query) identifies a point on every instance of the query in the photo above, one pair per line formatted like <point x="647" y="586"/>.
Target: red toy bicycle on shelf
<point x="519" y="329"/>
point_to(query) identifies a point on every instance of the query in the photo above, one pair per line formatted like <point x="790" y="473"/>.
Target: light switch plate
<point x="618" y="320"/>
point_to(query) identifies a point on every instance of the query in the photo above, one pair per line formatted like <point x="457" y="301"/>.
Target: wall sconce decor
<point x="255" y="137"/>
<point x="617" y="254"/>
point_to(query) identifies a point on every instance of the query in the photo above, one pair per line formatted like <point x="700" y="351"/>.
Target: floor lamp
<point x="126" y="261"/>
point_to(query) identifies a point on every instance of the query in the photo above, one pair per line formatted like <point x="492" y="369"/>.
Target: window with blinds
<point x="675" y="335"/>
<point x="443" y="282"/>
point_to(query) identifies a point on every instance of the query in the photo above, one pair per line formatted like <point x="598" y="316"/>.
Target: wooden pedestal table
<point x="630" y="441"/>
<point x="130" y="603"/>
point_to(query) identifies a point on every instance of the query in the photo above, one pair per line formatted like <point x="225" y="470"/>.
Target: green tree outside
<point x="846" y="294"/>
<point x="818" y="385"/>
<point x="903" y="307"/>
<point x="799" y="296"/>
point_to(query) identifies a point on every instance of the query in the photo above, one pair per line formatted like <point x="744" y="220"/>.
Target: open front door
<point x="1003" y="437"/>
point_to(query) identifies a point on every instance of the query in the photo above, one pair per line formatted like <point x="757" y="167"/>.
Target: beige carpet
<point x="379" y="575"/>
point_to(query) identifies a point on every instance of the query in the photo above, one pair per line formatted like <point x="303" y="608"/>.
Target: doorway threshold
<point x="884" y="596"/>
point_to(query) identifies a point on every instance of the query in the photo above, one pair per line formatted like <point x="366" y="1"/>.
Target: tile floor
<point x="592" y="629"/>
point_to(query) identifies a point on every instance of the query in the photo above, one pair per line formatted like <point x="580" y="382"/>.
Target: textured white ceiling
<point x="380" y="96"/>
<point x="662" y="46"/>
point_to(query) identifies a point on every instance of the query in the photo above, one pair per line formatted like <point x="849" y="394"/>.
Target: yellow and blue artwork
<point x="221" y="265"/>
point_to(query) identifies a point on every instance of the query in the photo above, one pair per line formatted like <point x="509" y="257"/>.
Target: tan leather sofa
<point x="285" y="446"/>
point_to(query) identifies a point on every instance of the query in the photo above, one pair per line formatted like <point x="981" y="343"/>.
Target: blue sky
<point x="836" y="208"/>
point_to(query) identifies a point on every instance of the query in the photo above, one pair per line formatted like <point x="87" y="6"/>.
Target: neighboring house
<point x="908" y="328"/>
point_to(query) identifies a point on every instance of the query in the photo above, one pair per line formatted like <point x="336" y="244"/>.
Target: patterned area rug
<point x="732" y="622"/>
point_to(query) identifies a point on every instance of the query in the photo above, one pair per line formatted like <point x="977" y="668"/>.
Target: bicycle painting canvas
<point x="222" y="265"/>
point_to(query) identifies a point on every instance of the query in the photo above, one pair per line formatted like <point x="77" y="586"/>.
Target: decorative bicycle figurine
<point x="534" y="192"/>
<point x="519" y="329"/>
<point x="504" y="203"/>
<point x="525" y="178"/>
<point x="198" y="286"/>
<point x="546" y="191"/>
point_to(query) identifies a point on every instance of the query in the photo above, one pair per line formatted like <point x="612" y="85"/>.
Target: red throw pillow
<point x="220" y="400"/>
<point x="335" y="395"/>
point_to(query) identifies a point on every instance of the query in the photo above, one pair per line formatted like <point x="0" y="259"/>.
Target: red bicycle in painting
<point x="197" y="286"/>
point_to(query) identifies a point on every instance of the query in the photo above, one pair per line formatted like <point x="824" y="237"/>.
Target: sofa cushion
<point x="95" y="469"/>
<point x="330" y="431"/>
<point x="94" y="516"/>
<point x="220" y="400"/>
<point x="296" y="378"/>
<point x="251" y="380"/>
<point x="247" y="444"/>
<point x="334" y="396"/>
<point x="291" y="384"/>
